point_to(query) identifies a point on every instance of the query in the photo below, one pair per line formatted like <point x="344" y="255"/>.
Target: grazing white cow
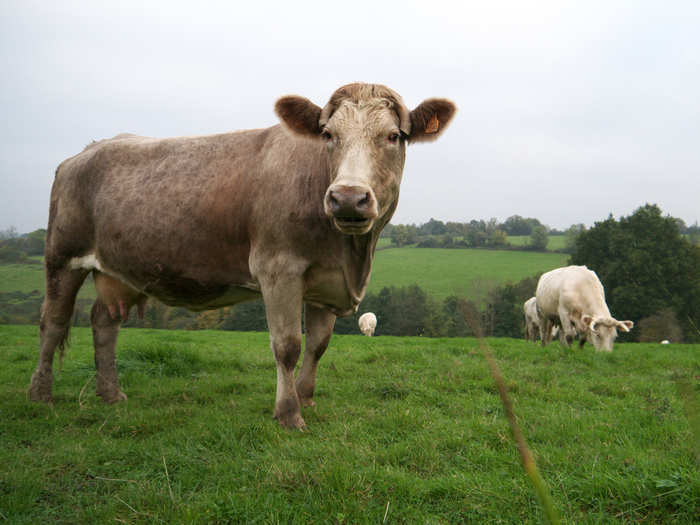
<point x="368" y="322"/>
<point x="574" y="298"/>
<point x="665" y="342"/>
<point x="532" y="321"/>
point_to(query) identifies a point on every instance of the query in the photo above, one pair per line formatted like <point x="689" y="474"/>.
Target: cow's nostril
<point x="334" y="201"/>
<point x="364" y="201"/>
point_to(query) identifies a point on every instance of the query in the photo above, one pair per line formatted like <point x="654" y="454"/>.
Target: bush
<point x="660" y="326"/>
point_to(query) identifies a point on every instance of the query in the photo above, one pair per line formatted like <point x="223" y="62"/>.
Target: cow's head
<point x="365" y="128"/>
<point x="602" y="331"/>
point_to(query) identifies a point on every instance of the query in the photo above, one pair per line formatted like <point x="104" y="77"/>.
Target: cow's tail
<point x="63" y="345"/>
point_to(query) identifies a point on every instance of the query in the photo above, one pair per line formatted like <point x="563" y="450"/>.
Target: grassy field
<point x="440" y="272"/>
<point x="21" y="277"/>
<point x="405" y="431"/>
<point x="29" y="277"/>
<point x="554" y="242"/>
<point x="464" y="272"/>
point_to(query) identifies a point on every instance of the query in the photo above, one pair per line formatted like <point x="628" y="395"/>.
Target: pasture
<point x="440" y="272"/>
<point x="406" y="430"/>
<point x="29" y="277"/>
<point x="554" y="242"/>
<point x="467" y="273"/>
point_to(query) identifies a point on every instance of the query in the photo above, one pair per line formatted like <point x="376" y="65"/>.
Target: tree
<point x="402" y="235"/>
<point x="571" y="235"/>
<point x="517" y="225"/>
<point x="9" y="233"/>
<point x="645" y="266"/>
<point x="694" y="234"/>
<point x="538" y="238"/>
<point x="433" y="227"/>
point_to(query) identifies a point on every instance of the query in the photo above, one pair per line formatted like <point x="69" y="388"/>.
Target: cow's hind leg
<point x="114" y="300"/>
<point x="105" y="329"/>
<point x="62" y="286"/>
<point x="319" y="327"/>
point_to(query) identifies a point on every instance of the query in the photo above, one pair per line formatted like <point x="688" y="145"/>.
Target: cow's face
<point x="365" y="129"/>
<point x="602" y="331"/>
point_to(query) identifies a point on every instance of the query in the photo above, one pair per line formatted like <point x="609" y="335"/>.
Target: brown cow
<point x="290" y="212"/>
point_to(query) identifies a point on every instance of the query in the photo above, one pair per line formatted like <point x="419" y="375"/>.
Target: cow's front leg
<point x="545" y="326"/>
<point x="319" y="327"/>
<point x="567" y="328"/>
<point x="283" y="309"/>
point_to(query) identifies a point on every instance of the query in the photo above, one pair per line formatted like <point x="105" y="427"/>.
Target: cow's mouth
<point x="353" y="225"/>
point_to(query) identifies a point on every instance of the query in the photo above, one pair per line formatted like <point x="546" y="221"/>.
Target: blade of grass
<point x="528" y="460"/>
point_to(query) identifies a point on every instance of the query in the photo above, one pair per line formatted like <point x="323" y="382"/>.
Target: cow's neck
<point x="360" y="250"/>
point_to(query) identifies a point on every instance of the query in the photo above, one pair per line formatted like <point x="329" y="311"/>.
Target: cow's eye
<point x="326" y="135"/>
<point x="393" y="137"/>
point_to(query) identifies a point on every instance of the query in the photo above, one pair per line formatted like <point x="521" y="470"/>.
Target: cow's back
<point x="177" y="216"/>
<point x="575" y="288"/>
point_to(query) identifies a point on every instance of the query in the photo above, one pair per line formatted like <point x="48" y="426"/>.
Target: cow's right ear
<point x="299" y="115"/>
<point x="586" y="320"/>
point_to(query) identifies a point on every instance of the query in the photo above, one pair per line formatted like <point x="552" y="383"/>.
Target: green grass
<point x="554" y="242"/>
<point x="21" y="278"/>
<point x="464" y="272"/>
<point x="406" y="430"/>
<point x="29" y="277"/>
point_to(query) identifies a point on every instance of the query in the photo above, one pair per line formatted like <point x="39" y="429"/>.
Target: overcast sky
<point x="568" y="111"/>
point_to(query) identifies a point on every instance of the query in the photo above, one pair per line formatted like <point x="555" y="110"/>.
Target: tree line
<point x="472" y="234"/>
<point x="493" y="234"/>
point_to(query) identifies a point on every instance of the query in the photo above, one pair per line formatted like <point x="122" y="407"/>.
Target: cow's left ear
<point x="430" y="119"/>
<point x="625" y="326"/>
<point x="299" y="115"/>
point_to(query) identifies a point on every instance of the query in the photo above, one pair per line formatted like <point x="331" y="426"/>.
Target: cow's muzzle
<point x="352" y="209"/>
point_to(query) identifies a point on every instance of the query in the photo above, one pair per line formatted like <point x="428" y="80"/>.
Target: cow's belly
<point x="230" y="296"/>
<point x="177" y="289"/>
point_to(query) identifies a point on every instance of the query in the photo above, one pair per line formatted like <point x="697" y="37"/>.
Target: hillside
<point x="440" y="272"/>
<point x="465" y="272"/>
<point x="554" y="242"/>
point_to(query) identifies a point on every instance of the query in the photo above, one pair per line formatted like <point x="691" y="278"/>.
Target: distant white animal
<point x="532" y="321"/>
<point x="368" y="322"/>
<point x="665" y="342"/>
<point x="574" y="298"/>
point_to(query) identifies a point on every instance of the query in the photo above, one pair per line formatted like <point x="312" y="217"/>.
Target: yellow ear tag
<point x="432" y="125"/>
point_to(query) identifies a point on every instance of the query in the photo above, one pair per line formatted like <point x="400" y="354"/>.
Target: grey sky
<point x="568" y="111"/>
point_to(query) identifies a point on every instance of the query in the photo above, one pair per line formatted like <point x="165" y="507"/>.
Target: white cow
<point x="574" y="298"/>
<point x="368" y="322"/>
<point x="532" y="321"/>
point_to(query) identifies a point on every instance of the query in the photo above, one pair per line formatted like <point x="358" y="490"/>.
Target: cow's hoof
<point x="40" y="388"/>
<point x="307" y="402"/>
<point x="40" y="394"/>
<point x="291" y="421"/>
<point x="289" y="416"/>
<point x="112" y="397"/>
